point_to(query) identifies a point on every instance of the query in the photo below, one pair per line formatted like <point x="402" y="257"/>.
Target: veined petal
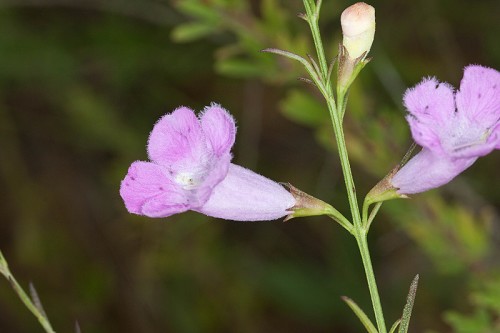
<point x="148" y="190"/>
<point x="427" y="170"/>
<point x="479" y="97"/>
<point x="219" y="128"/>
<point x="247" y="196"/>
<point x="177" y="141"/>
<point x="478" y="105"/>
<point x="431" y="108"/>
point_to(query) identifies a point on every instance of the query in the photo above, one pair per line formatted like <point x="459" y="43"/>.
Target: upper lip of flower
<point x="456" y="124"/>
<point x="454" y="128"/>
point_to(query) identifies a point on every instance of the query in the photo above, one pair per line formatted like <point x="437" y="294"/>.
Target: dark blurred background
<point x="81" y="84"/>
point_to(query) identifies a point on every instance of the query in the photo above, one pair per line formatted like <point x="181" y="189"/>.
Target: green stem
<point x="360" y="232"/>
<point x="4" y="269"/>
<point x="344" y="161"/>
<point x="327" y="92"/>
<point x="312" y="19"/>
<point x="372" y="215"/>
<point x="340" y="219"/>
<point x="29" y="304"/>
<point x="370" y="277"/>
<point x="336" y="114"/>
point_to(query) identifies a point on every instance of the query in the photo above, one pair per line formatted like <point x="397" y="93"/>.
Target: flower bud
<point x="358" y="29"/>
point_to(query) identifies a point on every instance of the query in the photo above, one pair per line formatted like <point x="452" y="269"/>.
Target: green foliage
<point x="485" y="316"/>
<point x="242" y="56"/>
<point x="453" y="236"/>
<point x="304" y="109"/>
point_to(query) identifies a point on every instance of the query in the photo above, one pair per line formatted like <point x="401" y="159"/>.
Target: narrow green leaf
<point x="191" y="31"/>
<point x="360" y="314"/>
<point x="330" y="69"/>
<point x="36" y="300"/>
<point x="77" y="327"/>
<point x="313" y="62"/>
<point x="395" y="326"/>
<point x="285" y="54"/>
<point x="238" y="68"/>
<point x="4" y="268"/>
<point x="309" y="67"/>
<point x="405" y="320"/>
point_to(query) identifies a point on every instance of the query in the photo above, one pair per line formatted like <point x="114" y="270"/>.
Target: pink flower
<point x="454" y="129"/>
<point x="191" y="169"/>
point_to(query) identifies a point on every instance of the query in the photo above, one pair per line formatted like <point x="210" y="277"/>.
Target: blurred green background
<point x="81" y="84"/>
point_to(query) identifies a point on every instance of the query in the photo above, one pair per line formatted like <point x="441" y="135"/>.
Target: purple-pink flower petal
<point x="177" y="141"/>
<point x="219" y="129"/>
<point x="431" y="106"/>
<point x="478" y="105"/>
<point x="148" y="190"/>
<point x="478" y="97"/>
<point x="247" y="196"/>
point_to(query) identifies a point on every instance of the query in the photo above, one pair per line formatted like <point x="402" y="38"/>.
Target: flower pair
<point x="191" y="169"/>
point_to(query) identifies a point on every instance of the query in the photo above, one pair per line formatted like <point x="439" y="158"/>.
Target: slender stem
<point x="313" y="18"/>
<point x="327" y="92"/>
<point x="372" y="215"/>
<point x="340" y="219"/>
<point x="319" y="50"/>
<point x="344" y="161"/>
<point x="360" y="232"/>
<point x="4" y="270"/>
<point x="364" y="214"/>
<point x="336" y="114"/>
<point x="29" y="304"/>
<point x="372" y="283"/>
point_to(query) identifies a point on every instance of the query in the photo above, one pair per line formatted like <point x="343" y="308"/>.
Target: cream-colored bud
<point x="358" y="28"/>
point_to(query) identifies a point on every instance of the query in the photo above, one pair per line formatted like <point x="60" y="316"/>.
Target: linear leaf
<point x="405" y="320"/>
<point x="36" y="299"/>
<point x="395" y="326"/>
<point x="4" y="267"/>
<point x="360" y="314"/>
<point x="285" y="54"/>
<point x="191" y="31"/>
<point x="77" y="327"/>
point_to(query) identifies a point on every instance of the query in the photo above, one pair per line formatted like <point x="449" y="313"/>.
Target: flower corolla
<point x="191" y="169"/>
<point x="454" y="129"/>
